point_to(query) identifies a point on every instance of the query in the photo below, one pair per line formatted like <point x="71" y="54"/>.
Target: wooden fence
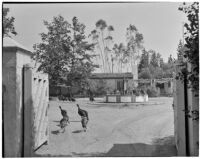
<point x="36" y="101"/>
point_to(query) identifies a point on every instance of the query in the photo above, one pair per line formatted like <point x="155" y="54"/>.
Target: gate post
<point x="28" y="112"/>
<point x="179" y="114"/>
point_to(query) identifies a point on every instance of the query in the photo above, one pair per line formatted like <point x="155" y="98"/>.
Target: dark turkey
<point x="63" y="123"/>
<point x="63" y="112"/>
<point x="84" y="117"/>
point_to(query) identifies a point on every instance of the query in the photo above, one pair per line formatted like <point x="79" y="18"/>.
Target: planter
<point x="125" y="99"/>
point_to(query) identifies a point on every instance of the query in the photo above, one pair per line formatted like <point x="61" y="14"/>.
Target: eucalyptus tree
<point x="119" y="56"/>
<point x="134" y="46"/>
<point x="102" y="38"/>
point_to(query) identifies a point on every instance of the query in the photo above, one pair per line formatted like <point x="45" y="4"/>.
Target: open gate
<point x="36" y="102"/>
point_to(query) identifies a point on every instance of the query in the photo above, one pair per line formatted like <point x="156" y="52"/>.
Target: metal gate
<point x="36" y="101"/>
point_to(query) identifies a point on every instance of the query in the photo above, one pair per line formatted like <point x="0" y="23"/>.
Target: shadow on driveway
<point x="141" y="150"/>
<point x="161" y="147"/>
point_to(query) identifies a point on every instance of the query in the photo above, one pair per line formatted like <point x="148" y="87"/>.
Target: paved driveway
<point x="132" y="129"/>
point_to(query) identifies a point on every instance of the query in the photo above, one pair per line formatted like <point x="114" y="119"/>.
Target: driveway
<point x="124" y="129"/>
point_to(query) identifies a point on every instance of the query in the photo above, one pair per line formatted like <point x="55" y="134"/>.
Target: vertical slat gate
<point x="179" y="114"/>
<point x="36" y="99"/>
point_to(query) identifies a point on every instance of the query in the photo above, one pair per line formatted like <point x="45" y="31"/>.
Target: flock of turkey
<point x="65" y="118"/>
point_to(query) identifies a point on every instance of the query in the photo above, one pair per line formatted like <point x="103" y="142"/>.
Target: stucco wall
<point x="13" y="61"/>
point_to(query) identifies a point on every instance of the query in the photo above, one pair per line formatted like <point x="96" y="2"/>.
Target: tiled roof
<point x="111" y="75"/>
<point x="10" y="43"/>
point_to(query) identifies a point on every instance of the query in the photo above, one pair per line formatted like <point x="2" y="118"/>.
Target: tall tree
<point x="144" y="60"/>
<point x="158" y="57"/>
<point x="8" y="24"/>
<point x="170" y="59"/>
<point x="134" y="45"/>
<point x="154" y="60"/>
<point x="63" y="51"/>
<point x="81" y="63"/>
<point x="180" y="50"/>
<point x="119" y="55"/>
<point x="102" y="38"/>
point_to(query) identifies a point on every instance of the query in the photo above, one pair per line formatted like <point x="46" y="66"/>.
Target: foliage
<point x="180" y="50"/>
<point x="63" y="52"/>
<point x="134" y="42"/>
<point x="119" y="55"/>
<point x="154" y="68"/>
<point x="98" y="87"/>
<point x="144" y="61"/>
<point x="170" y="59"/>
<point x="157" y="72"/>
<point x="154" y="59"/>
<point x="152" y="92"/>
<point x="139" y="92"/>
<point x="191" y="52"/>
<point x="8" y="24"/>
<point x="102" y="38"/>
<point x="145" y="74"/>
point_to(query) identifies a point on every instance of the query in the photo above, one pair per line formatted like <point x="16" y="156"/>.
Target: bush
<point x="98" y="87"/>
<point x="145" y="74"/>
<point x="152" y="92"/>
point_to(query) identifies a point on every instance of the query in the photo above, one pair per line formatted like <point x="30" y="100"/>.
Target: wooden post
<point x="28" y="117"/>
<point x="179" y="115"/>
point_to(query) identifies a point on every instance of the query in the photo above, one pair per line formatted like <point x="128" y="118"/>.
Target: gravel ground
<point x="125" y="129"/>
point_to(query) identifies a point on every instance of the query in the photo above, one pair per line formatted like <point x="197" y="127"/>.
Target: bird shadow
<point x="55" y="121"/>
<point x="77" y="131"/>
<point x="55" y="132"/>
<point x="75" y="121"/>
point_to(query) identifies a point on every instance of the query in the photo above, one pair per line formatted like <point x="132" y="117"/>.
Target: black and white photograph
<point x="100" y="79"/>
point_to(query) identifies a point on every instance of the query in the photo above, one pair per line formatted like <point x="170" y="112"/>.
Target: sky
<point x="160" y="23"/>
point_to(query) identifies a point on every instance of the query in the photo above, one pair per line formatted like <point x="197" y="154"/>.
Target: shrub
<point x="145" y="74"/>
<point x="152" y="92"/>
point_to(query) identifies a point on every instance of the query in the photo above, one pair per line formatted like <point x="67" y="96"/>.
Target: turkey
<point x="73" y="99"/>
<point x="64" y="114"/>
<point x="84" y="117"/>
<point x="63" y="123"/>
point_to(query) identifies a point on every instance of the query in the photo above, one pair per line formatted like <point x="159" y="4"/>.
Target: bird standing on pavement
<point x="84" y="117"/>
<point x="64" y="114"/>
<point x="63" y="123"/>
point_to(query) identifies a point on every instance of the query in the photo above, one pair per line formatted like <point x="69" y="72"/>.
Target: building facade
<point x="112" y="82"/>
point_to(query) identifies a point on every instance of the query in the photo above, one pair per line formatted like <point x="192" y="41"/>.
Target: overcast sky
<point x="160" y="23"/>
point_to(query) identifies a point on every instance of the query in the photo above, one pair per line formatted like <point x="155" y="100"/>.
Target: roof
<point x="111" y="75"/>
<point x="10" y="43"/>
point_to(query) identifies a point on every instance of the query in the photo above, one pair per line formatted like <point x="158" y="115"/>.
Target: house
<point x="112" y="82"/>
